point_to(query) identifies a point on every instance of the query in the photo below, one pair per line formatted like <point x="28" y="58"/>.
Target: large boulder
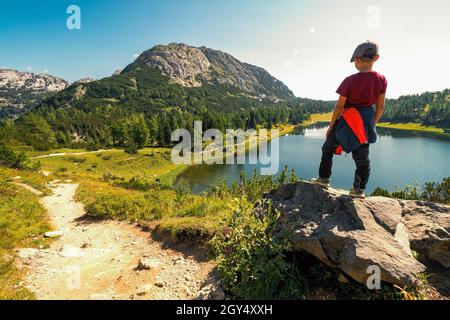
<point x="355" y="235"/>
<point x="429" y="230"/>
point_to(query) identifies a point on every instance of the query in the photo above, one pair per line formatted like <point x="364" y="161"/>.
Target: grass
<point x="150" y="163"/>
<point x="414" y="127"/>
<point x="23" y="220"/>
<point x="34" y="179"/>
<point x="317" y="118"/>
<point x="321" y="117"/>
<point x="285" y="129"/>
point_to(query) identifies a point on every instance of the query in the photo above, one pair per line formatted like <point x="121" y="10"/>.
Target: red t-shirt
<point x="362" y="89"/>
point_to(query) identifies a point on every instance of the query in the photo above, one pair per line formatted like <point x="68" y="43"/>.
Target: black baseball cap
<point x="367" y="49"/>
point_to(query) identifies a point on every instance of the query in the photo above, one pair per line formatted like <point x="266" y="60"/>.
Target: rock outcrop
<point x="182" y="63"/>
<point x="84" y="80"/>
<point x="355" y="235"/>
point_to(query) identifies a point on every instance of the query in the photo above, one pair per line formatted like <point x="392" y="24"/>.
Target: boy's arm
<point x="380" y="107"/>
<point x="338" y="110"/>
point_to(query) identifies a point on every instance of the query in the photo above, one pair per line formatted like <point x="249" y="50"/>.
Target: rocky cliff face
<point x="84" y="81"/>
<point x="20" y="91"/>
<point x="354" y="235"/>
<point x="193" y="67"/>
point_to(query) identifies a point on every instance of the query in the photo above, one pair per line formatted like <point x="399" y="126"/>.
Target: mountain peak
<point x="19" y="80"/>
<point x="191" y="66"/>
<point x="182" y="63"/>
<point x="21" y="91"/>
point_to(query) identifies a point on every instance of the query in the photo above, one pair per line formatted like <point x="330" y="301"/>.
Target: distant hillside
<point x="430" y="108"/>
<point x="166" y="88"/>
<point x="21" y="91"/>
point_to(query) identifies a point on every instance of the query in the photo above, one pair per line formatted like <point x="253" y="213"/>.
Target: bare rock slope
<point x="193" y="67"/>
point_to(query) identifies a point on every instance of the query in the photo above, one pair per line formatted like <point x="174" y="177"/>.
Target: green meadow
<point x="23" y="220"/>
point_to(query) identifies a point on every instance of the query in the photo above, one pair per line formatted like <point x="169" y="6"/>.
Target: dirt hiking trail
<point x="107" y="260"/>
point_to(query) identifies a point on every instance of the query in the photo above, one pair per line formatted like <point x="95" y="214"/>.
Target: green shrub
<point x="437" y="192"/>
<point x="16" y="160"/>
<point x="252" y="258"/>
<point x="109" y="176"/>
<point x="182" y="189"/>
<point x="136" y="183"/>
<point x="254" y="187"/>
<point x="76" y="159"/>
<point x="131" y="149"/>
<point x="431" y="191"/>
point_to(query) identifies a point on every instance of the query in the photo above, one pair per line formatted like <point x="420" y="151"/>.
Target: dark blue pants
<point x="360" y="156"/>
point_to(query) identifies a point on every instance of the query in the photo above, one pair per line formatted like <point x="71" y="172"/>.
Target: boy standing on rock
<point x="358" y="110"/>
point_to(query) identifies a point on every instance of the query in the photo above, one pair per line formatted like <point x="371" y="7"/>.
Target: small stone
<point x="188" y="291"/>
<point x="28" y="254"/>
<point x="179" y="261"/>
<point x="53" y="234"/>
<point x="211" y="291"/>
<point x="86" y="245"/>
<point x="143" y="290"/>
<point x="160" y="284"/>
<point x="148" y="264"/>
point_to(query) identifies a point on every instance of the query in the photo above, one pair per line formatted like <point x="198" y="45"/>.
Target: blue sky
<point x="306" y="44"/>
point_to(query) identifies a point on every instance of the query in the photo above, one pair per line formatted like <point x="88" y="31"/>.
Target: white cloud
<point x="45" y="71"/>
<point x="136" y="55"/>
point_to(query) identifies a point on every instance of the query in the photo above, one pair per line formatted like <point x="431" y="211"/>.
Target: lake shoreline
<point x="412" y="127"/>
<point x="415" y="127"/>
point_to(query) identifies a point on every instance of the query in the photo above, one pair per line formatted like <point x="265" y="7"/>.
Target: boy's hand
<point x="380" y="107"/>
<point x="340" y="105"/>
<point x="330" y="129"/>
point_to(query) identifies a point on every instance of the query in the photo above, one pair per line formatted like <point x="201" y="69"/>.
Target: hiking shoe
<point x="357" y="193"/>
<point x="324" y="183"/>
